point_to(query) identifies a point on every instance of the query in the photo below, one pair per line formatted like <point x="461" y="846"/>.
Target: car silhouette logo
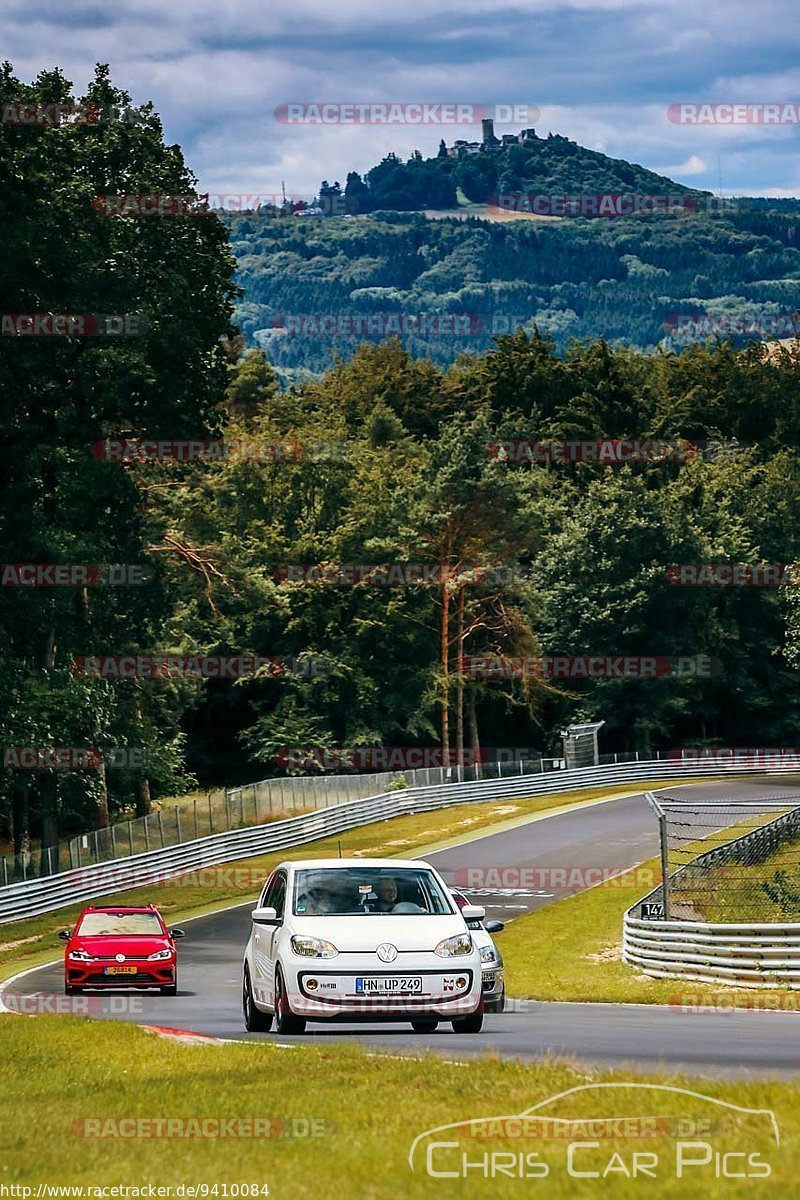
<point x="387" y="952"/>
<point x="120" y="957"/>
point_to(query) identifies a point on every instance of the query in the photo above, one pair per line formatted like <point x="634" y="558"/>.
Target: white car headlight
<point x="488" y="954"/>
<point x="313" y="947"/>
<point x="81" y="956"/>
<point x="159" y="955"/>
<point x="453" y="946"/>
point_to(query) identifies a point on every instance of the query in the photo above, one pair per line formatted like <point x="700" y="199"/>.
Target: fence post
<point x="211" y="812"/>
<point x="241" y="806"/>
<point x="146" y="835"/>
<point x="255" y="804"/>
<point x="196" y="826"/>
<point x="113" y="843"/>
<point x="161" y="828"/>
<point x="130" y="839"/>
<point x="227" y="811"/>
<point x="5" y="873"/>
<point x="178" y="823"/>
<point x="662" y="831"/>
<point x="96" y="848"/>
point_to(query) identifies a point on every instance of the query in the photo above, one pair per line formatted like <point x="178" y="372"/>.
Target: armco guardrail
<point x="752" y="955"/>
<point x="38" y="896"/>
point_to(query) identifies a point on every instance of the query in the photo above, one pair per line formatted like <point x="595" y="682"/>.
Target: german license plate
<point x="120" y="970"/>
<point x="390" y="985"/>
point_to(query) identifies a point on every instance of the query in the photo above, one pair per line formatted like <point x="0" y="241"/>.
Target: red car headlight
<point x="80" y="956"/>
<point x="159" y="956"/>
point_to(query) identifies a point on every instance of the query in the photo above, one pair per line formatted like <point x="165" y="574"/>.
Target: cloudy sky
<point x="600" y="71"/>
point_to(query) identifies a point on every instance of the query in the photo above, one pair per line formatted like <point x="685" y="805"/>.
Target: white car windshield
<point x="356" y="891"/>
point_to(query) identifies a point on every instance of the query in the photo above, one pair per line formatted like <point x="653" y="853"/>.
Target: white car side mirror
<point x="264" y="916"/>
<point x="473" y="912"/>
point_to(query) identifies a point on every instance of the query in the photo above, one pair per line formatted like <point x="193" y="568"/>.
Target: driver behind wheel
<point x="387" y="894"/>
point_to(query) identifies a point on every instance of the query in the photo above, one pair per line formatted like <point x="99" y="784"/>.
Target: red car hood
<point x="131" y="947"/>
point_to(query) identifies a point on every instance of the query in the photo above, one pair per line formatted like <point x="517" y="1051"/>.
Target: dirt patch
<point x="610" y="954"/>
<point x="21" y="942"/>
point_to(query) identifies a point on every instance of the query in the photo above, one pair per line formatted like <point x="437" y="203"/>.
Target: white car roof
<point x="396" y="864"/>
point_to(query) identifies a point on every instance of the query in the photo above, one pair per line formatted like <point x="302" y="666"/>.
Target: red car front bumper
<point x="127" y="975"/>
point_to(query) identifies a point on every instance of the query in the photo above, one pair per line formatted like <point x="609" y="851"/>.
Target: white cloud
<point x="693" y="165"/>
<point x="602" y="71"/>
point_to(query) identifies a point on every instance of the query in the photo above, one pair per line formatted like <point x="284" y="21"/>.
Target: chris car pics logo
<point x="608" y="1131"/>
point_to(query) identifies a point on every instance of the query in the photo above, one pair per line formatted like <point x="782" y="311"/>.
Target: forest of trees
<point x="393" y="460"/>
<point x="624" y="279"/>
<point x="551" y="165"/>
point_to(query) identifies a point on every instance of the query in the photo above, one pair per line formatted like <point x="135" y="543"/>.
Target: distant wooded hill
<point x="315" y="287"/>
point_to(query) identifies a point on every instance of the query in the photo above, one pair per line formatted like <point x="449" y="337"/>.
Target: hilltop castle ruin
<point x="490" y="143"/>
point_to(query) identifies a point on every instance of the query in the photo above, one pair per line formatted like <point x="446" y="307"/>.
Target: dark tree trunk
<point x="48" y="861"/>
<point x="144" y="803"/>
<point x="473" y="733"/>
<point x="22" y="826"/>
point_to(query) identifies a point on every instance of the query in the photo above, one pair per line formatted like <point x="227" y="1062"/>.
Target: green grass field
<point x="366" y="1111"/>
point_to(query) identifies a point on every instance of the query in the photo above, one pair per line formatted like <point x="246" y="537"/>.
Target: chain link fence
<point x="728" y="860"/>
<point x="248" y="805"/>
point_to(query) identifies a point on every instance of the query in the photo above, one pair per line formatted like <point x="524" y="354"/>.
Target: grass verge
<point x="29" y="942"/>
<point x="366" y="1119"/>
<point x="571" y="950"/>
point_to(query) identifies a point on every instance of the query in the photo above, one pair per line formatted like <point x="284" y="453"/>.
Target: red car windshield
<point x="115" y="924"/>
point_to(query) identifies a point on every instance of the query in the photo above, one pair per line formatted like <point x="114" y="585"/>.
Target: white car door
<point x="273" y="896"/>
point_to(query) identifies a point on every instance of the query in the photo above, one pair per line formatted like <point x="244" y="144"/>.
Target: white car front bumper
<point x="428" y="986"/>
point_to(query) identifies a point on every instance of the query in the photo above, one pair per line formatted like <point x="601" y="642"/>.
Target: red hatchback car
<point x="121" y="947"/>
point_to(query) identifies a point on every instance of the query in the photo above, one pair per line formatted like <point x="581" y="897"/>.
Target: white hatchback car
<point x="361" y="939"/>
